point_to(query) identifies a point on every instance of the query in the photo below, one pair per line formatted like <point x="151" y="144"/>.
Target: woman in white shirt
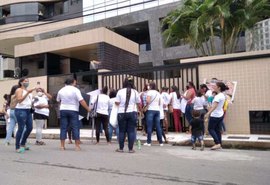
<point x="175" y="102"/>
<point x="12" y="118"/>
<point x="153" y="114"/>
<point x="128" y="100"/>
<point x="23" y="114"/>
<point x="112" y="96"/>
<point x="102" y="108"/>
<point x="41" y="113"/>
<point x="216" y="114"/>
<point x="199" y="103"/>
<point x="166" y="100"/>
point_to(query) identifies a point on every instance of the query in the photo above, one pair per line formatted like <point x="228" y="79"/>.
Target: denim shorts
<point x="193" y="138"/>
<point x="69" y="118"/>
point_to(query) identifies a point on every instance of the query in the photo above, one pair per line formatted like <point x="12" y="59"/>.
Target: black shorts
<point x="40" y="116"/>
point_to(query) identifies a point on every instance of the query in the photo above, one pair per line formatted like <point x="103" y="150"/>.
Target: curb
<point x="228" y="144"/>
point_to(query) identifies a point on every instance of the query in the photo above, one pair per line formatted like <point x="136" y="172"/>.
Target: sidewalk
<point x="238" y="141"/>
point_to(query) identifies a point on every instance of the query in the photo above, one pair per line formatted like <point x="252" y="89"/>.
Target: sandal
<point x="62" y="148"/>
<point x="119" y="150"/>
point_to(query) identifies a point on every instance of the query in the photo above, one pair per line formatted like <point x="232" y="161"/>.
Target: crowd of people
<point x="203" y="109"/>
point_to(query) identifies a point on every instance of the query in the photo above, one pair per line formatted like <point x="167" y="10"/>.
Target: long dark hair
<point x="21" y="80"/>
<point x="222" y="86"/>
<point x="129" y="84"/>
<point x="191" y="84"/>
<point x="12" y="92"/>
<point x="175" y="89"/>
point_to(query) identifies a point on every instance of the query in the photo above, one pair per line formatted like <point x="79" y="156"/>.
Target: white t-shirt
<point x="41" y="100"/>
<point x="102" y="104"/>
<point x="111" y="103"/>
<point x="161" y="109"/>
<point x="220" y="99"/>
<point x="154" y="101"/>
<point x="121" y="98"/>
<point x="175" y="101"/>
<point x="199" y="103"/>
<point x="26" y="103"/>
<point x="183" y="103"/>
<point x="166" y="99"/>
<point x="70" y="98"/>
<point x="209" y="93"/>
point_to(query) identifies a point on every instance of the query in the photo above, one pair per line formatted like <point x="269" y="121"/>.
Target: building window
<point x="259" y="122"/>
<point x="61" y="8"/>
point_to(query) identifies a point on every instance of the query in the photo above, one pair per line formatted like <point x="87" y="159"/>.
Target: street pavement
<point x="101" y="165"/>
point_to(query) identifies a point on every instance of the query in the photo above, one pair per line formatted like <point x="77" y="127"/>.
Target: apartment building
<point x="49" y="39"/>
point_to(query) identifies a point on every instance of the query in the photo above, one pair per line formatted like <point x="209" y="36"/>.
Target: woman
<point x="191" y="93"/>
<point x="12" y="118"/>
<point x="70" y="98"/>
<point x="41" y="113"/>
<point x="128" y="101"/>
<point x="102" y="109"/>
<point x="216" y="114"/>
<point x="175" y="102"/>
<point x="112" y="96"/>
<point x="166" y="100"/>
<point x="153" y="114"/>
<point x="143" y="96"/>
<point x="23" y="114"/>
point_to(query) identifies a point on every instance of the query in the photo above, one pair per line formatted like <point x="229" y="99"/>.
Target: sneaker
<point x="161" y="144"/>
<point x="20" y="150"/>
<point x="215" y="147"/>
<point x="25" y="147"/>
<point x="147" y="144"/>
<point x="119" y="150"/>
<point x="7" y="144"/>
<point x="40" y="143"/>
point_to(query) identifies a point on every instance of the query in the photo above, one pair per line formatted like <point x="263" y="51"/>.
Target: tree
<point x="200" y="22"/>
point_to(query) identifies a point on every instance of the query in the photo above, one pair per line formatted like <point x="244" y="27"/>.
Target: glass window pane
<point x="136" y="8"/>
<point x="99" y="16"/>
<point x="151" y="4"/>
<point x="123" y="11"/>
<point x="111" y="13"/>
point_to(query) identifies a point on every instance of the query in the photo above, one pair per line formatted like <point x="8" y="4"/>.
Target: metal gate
<point x="177" y="75"/>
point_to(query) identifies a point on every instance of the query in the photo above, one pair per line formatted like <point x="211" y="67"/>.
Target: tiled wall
<point x="252" y="92"/>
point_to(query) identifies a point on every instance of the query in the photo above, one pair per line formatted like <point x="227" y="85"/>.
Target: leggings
<point x="104" y="120"/>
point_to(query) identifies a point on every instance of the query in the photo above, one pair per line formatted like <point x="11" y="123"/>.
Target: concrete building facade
<point x="48" y="40"/>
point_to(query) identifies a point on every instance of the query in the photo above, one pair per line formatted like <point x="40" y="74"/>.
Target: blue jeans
<point x="12" y="124"/>
<point x="69" y="118"/>
<point x="214" y="129"/>
<point x="111" y="128"/>
<point x="188" y="113"/>
<point x="24" y="119"/>
<point x="153" y="119"/>
<point x="127" y="125"/>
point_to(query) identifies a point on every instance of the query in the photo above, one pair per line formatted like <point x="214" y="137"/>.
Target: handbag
<point x="93" y="112"/>
<point x="113" y="116"/>
<point x="145" y="108"/>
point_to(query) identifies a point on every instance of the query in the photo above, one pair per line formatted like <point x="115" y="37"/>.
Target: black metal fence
<point x="177" y="75"/>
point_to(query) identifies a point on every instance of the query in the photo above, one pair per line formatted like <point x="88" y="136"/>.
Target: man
<point x="70" y="99"/>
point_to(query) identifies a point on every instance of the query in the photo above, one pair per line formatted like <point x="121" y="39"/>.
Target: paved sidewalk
<point x="239" y="141"/>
